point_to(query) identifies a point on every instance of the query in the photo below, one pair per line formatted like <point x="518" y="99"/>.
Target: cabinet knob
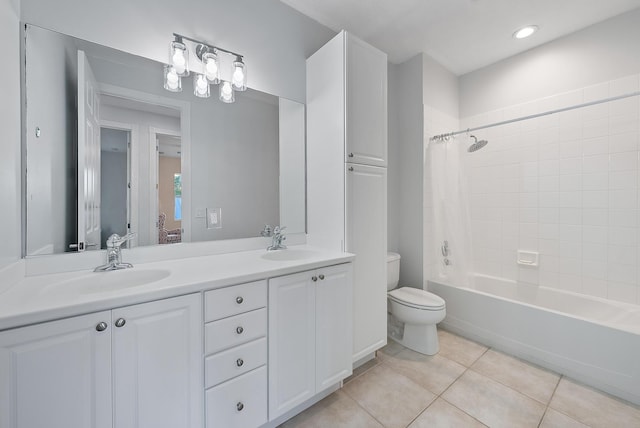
<point x="239" y="329"/>
<point x="239" y="300"/>
<point x="120" y="322"/>
<point x="321" y="276"/>
<point x="239" y="362"/>
<point x="102" y="326"/>
<point x="314" y="278"/>
<point x="350" y="155"/>
<point x="239" y="406"/>
<point x="350" y="168"/>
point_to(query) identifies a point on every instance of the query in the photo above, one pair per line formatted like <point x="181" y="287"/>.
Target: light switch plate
<point x="214" y="218"/>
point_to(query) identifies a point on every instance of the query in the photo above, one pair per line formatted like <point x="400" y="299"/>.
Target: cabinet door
<point x="334" y="334"/>
<point x="366" y="110"/>
<point x="57" y="374"/>
<point x="367" y="239"/>
<point x="157" y="364"/>
<point x="291" y="342"/>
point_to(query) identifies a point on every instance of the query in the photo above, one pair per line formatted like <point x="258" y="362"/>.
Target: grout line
<point x="548" y="406"/>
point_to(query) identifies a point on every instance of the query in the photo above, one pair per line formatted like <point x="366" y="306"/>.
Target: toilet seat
<point x="416" y="298"/>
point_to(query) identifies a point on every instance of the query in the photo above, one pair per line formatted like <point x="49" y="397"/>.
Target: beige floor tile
<point x="555" y="419"/>
<point x="526" y="378"/>
<point x="435" y="373"/>
<point x="593" y="408"/>
<point x="337" y="411"/>
<point x="363" y="369"/>
<point x="492" y="403"/>
<point x="393" y="399"/>
<point x="459" y="349"/>
<point x="443" y="415"/>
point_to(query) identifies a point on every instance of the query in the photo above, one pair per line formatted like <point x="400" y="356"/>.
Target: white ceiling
<point x="462" y="35"/>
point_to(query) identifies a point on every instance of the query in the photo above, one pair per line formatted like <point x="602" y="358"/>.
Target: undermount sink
<point x="287" y="255"/>
<point x="104" y="282"/>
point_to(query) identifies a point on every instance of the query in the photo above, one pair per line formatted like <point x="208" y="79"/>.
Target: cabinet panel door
<point x="334" y="334"/>
<point x="366" y="112"/>
<point x="367" y="239"/>
<point x="57" y="374"/>
<point x="157" y="364"/>
<point x="291" y="342"/>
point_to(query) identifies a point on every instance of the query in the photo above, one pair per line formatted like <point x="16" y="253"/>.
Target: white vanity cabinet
<point x="236" y="356"/>
<point x="310" y="334"/>
<point x="137" y="366"/>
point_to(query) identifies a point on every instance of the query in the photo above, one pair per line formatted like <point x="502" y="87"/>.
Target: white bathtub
<point x="592" y="340"/>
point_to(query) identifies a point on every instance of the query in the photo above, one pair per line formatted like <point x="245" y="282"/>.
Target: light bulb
<point x="226" y="92"/>
<point x="525" y="31"/>
<point x="171" y="79"/>
<point x="238" y="76"/>
<point x="212" y="67"/>
<point x="179" y="58"/>
<point x="200" y="86"/>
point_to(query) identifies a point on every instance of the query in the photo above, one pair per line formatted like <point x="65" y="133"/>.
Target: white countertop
<point x="41" y="298"/>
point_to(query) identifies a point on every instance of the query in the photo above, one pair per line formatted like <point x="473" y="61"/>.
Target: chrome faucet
<point x="277" y="238"/>
<point x="114" y="255"/>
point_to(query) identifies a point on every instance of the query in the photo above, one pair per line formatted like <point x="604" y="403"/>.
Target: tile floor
<point x="464" y="385"/>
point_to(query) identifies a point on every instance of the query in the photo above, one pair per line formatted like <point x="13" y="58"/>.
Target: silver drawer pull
<point x="102" y="326"/>
<point x="239" y="330"/>
<point x="239" y="406"/>
<point x="350" y="155"/>
<point x="314" y="278"/>
<point x="321" y="276"/>
<point x="239" y="300"/>
<point x="239" y="362"/>
<point x="120" y="322"/>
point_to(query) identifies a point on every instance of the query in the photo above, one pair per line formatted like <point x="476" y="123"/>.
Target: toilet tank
<point x="393" y="270"/>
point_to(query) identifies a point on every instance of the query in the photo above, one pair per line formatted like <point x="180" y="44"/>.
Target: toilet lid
<point x="415" y="297"/>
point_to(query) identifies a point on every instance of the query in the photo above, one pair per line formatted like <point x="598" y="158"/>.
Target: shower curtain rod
<point x="446" y="136"/>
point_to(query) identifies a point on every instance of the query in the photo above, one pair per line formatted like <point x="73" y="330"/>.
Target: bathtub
<point x="594" y="341"/>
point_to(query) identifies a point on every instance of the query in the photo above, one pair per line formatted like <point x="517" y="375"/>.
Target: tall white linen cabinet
<point x="347" y="173"/>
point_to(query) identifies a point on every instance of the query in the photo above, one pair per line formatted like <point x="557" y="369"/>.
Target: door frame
<point x="133" y="158"/>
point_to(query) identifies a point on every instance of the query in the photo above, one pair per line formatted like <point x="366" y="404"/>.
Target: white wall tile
<point x="594" y="270"/>
<point x="623" y="179"/>
<point x="551" y="183"/>
<point x="595" y="217"/>
<point x="624" y="142"/>
<point x="625" y="85"/>
<point x="569" y="215"/>
<point x="622" y="292"/>
<point x="593" y="252"/>
<point x="623" y="218"/>
<point x="595" y="146"/>
<point x="624" y="161"/>
<point x="595" y="163"/>
<point x="595" y="181"/>
<point x="571" y="166"/>
<point x="594" y="287"/>
<point x="570" y="182"/>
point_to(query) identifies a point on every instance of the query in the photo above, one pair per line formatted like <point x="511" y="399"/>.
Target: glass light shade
<point x="239" y="77"/>
<point x="226" y="92"/>
<point x="179" y="58"/>
<point x="201" y="86"/>
<point x="172" y="81"/>
<point x="211" y="67"/>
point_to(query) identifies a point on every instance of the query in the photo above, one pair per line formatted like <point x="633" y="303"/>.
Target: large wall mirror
<point x="108" y="150"/>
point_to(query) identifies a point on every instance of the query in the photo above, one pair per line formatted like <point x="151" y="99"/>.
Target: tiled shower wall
<point x="565" y="185"/>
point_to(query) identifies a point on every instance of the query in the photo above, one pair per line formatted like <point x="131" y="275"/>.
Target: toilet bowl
<point x="417" y="309"/>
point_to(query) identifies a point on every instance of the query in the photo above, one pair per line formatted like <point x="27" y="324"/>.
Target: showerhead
<point x="477" y="145"/>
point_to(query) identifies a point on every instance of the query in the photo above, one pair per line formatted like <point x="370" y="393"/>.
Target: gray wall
<point x="51" y="97"/>
<point x="113" y="187"/>
<point x="274" y="38"/>
<point x="440" y="88"/>
<point x="10" y="190"/>
<point x="405" y="190"/>
<point x="602" y="52"/>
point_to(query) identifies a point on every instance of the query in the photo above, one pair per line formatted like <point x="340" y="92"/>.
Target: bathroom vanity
<point x="244" y="339"/>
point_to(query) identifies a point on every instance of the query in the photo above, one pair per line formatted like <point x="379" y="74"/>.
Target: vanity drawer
<point x="234" y="362"/>
<point x="238" y="403"/>
<point x="233" y="331"/>
<point x="229" y="301"/>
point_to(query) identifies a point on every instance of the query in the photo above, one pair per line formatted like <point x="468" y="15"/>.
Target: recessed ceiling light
<point x="525" y="31"/>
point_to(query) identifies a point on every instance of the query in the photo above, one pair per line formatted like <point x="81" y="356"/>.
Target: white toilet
<point x="418" y="309"/>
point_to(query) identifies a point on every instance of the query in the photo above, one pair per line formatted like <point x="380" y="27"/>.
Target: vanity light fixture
<point x="209" y="74"/>
<point x="525" y="31"/>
